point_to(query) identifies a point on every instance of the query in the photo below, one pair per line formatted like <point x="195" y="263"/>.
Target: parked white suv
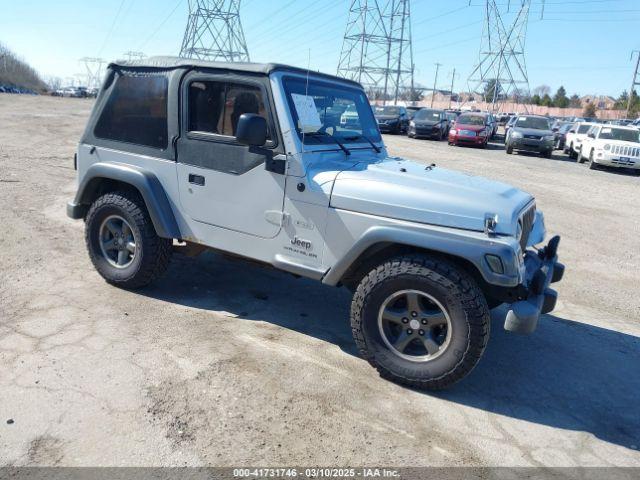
<point x="575" y="137"/>
<point x="612" y="146"/>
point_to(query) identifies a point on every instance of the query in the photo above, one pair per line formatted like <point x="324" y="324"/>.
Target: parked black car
<point x="429" y="123"/>
<point x="411" y="111"/>
<point x="392" y="119"/>
<point x="560" y="134"/>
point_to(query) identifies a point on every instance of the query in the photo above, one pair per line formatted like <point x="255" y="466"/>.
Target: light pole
<point x="435" y="82"/>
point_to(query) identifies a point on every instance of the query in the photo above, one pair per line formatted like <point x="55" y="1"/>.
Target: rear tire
<point x="439" y="344"/>
<point x="120" y="218"/>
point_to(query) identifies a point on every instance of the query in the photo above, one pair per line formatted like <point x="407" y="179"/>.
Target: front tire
<point x="122" y="242"/>
<point x="420" y="321"/>
<point x="509" y="149"/>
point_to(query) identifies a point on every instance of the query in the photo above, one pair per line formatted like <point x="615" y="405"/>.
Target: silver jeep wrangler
<point x="256" y="161"/>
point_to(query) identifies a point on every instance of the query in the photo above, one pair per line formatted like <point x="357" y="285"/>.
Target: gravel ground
<point x="226" y="364"/>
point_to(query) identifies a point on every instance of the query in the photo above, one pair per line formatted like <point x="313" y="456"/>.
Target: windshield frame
<point x="310" y="138"/>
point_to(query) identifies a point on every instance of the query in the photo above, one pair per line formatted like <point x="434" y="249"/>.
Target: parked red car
<point x="472" y="129"/>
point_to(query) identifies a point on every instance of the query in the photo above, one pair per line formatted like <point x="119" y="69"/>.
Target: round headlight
<point x="453" y="131"/>
<point x="607" y="147"/>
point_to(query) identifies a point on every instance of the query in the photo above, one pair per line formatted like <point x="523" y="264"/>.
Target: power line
<point x="111" y="28"/>
<point x="161" y="24"/>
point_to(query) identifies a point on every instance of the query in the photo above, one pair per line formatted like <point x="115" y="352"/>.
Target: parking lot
<point x="224" y="363"/>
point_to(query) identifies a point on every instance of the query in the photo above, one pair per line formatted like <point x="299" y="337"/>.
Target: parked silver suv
<point x="254" y="160"/>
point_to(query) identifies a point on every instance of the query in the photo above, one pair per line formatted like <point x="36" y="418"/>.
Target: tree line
<point x="17" y="73"/>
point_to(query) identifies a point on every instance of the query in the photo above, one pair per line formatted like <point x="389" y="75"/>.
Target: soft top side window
<point x="136" y="110"/>
<point x="216" y="106"/>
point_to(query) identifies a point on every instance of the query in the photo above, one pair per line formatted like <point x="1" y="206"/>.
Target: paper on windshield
<point x="308" y="116"/>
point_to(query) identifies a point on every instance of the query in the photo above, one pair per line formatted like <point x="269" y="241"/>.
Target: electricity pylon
<point x="214" y="32"/>
<point x="131" y="55"/>
<point x="376" y="50"/>
<point x="502" y="71"/>
<point x="93" y="71"/>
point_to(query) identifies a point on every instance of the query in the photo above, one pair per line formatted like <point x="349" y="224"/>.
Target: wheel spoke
<point x="131" y="247"/>
<point x="112" y="227"/>
<point x="126" y="231"/>
<point x="393" y="315"/>
<point x="435" y="319"/>
<point x="413" y="303"/>
<point x="430" y="345"/>
<point x="402" y="341"/>
<point x="123" y="257"/>
<point x="110" y="244"/>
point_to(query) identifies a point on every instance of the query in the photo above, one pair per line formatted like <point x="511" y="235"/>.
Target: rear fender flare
<point x="144" y="181"/>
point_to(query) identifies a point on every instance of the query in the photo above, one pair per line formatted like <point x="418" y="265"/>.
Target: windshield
<point x="583" y="128"/>
<point x="620" y="134"/>
<point x="471" y="120"/>
<point x="535" y="123"/>
<point x="387" y="111"/>
<point x="428" y="115"/>
<point x="319" y="109"/>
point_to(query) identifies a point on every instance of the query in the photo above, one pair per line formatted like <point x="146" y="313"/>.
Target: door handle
<point x="196" y="179"/>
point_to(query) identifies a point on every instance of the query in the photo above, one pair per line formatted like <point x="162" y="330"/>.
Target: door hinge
<point x="277" y="217"/>
<point x="277" y="164"/>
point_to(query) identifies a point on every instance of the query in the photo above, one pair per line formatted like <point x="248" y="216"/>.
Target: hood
<point x="473" y="128"/>
<point x="387" y="117"/>
<point x="532" y="131"/>
<point x="406" y="190"/>
<point x="427" y="123"/>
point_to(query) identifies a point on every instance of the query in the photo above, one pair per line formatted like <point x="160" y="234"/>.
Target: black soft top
<point x="169" y="63"/>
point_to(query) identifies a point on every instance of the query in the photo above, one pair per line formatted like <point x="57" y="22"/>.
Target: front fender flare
<point x="144" y="181"/>
<point x="470" y="246"/>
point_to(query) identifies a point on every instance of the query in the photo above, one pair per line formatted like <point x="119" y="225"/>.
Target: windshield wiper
<point x="375" y="147"/>
<point x="325" y="134"/>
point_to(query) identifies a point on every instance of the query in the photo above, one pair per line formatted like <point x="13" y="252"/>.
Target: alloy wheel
<point x="414" y="325"/>
<point x="117" y="241"/>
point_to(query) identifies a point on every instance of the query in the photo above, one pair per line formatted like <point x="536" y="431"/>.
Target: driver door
<point x="223" y="183"/>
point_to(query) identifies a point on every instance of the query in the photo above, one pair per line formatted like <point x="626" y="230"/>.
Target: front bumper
<point x="542" y="269"/>
<point x="617" y="161"/>
<point x="527" y="145"/>
<point x="429" y="132"/>
<point x="388" y="127"/>
<point x="467" y="140"/>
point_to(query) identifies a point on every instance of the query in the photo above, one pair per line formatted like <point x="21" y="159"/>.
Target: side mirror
<point x="592" y="135"/>
<point x="251" y="130"/>
<point x="572" y="131"/>
<point x="555" y="129"/>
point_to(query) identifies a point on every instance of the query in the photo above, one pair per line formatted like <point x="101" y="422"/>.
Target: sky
<point x="584" y="45"/>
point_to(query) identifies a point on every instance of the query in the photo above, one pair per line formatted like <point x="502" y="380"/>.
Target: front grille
<point x="533" y="137"/>
<point x="527" y="218"/>
<point x="626" y="151"/>
<point x="623" y="163"/>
